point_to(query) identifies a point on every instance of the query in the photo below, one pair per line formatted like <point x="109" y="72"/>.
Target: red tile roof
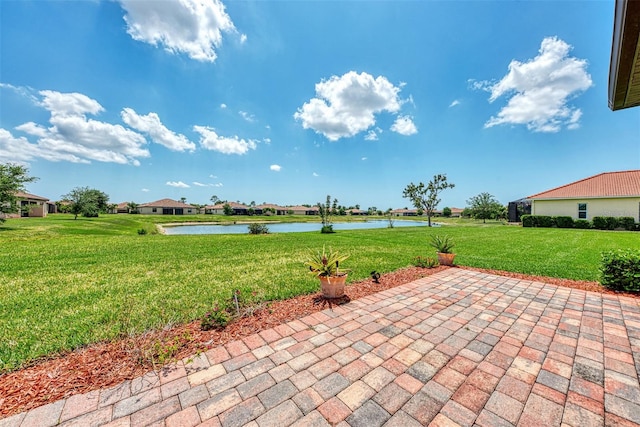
<point x="608" y="184"/>
<point x="165" y="203"/>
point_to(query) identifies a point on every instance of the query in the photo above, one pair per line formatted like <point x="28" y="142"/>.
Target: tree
<point x="214" y="199"/>
<point x="227" y="209"/>
<point x="87" y="201"/>
<point x="183" y="199"/>
<point x="132" y="207"/>
<point x="426" y="196"/>
<point x="446" y="212"/>
<point x="484" y="206"/>
<point x="326" y="211"/>
<point x="12" y="179"/>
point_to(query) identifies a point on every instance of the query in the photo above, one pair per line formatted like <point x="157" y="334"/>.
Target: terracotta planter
<point x="332" y="286"/>
<point x="445" y="259"/>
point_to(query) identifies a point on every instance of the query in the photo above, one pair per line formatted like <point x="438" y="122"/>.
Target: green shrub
<point x="621" y="270"/>
<point x="545" y="221"/>
<point x="527" y="221"/>
<point x="605" y="222"/>
<point x="582" y="223"/>
<point x="142" y="231"/>
<point x="327" y="229"/>
<point x="627" y="222"/>
<point x="256" y="228"/>
<point x="537" y="221"/>
<point x="563" y="221"/>
<point x="218" y="318"/>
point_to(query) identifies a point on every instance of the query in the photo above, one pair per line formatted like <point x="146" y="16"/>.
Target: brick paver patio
<point x="459" y="348"/>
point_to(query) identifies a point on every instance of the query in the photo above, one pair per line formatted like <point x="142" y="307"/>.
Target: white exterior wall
<point x="616" y="207"/>
<point x="149" y="211"/>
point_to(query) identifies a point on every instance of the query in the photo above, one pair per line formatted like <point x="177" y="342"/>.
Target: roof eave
<point x="625" y="56"/>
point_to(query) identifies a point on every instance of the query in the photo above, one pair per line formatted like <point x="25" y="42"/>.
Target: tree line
<point x="90" y="202"/>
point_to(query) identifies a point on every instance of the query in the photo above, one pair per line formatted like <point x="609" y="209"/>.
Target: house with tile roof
<point x="218" y="209"/>
<point x="31" y="205"/>
<point x="614" y="194"/>
<point x="167" y="207"/>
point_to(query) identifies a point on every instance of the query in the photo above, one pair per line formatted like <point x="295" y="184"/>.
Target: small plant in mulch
<point x="425" y="262"/>
<point x="217" y="318"/>
<point x="161" y="350"/>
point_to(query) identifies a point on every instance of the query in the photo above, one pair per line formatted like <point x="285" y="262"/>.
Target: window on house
<point x="154" y="210"/>
<point x="582" y="210"/>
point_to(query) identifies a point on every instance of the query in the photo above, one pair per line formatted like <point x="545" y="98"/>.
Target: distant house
<point x="607" y="194"/>
<point x="122" y="207"/>
<point x="32" y="206"/>
<point x="218" y="209"/>
<point x="167" y="207"/>
<point x="356" y="212"/>
<point x="455" y="212"/>
<point x="261" y="209"/>
<point x="404" y="212"/>
<point x="303" y="210"/>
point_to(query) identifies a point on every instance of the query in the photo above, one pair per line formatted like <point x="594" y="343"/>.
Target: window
<point x="582" y="210"/>
<point x="154" y="210"/>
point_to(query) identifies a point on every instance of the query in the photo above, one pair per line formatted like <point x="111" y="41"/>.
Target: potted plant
<point x="325" y="265"/>
<point x="444" y="246"/>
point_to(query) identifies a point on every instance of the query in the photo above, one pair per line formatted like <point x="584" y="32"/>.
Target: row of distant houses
<point x="606" y="194"/>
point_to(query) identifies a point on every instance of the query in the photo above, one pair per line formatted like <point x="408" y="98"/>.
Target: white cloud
<point x="275" y="168"/>
<point x="315" y="174"/>
<point x="200" y="184"/>
<point x="363" y="159"/>
<point x="145" y="190"/>
<point x="404" y="126"/>
<point x="177" y="184"/>
<point x="243" y="38"/>
<point x="24" y="91"/>
<point x="20" y="150"/>
<point x="345" y="106"/>
<point x="248" y="117"/>
<point x="75" y="138"/>
<point x="193" y="27"/>
<point x="223" y="106"/>
<point x="212" y="176"/>
<point x="152" y="126"/>
<point x="210" y="140"/>
<point x="371" y="136"/>
<point x="266" y="140"/>
<point x="454" y="103"/>
<point x="540" y="89"/>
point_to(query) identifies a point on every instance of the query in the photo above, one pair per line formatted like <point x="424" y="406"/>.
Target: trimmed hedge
<point x="627" y="222"/>
<point x="582" y="223"/>
<point x="564" y="221"/>
<point x="605" y="222"/>
<point x="621" y="270"/>
<point x="599" y="222"/>
<point x="537" y="221"/>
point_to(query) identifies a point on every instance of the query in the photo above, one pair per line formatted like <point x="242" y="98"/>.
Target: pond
<point x="287" y="227"/>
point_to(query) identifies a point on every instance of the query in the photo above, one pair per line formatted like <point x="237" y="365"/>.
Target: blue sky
<point x="288" y="101"/>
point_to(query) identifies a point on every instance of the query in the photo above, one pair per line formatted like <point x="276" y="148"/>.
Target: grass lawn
<point x="66" y="283"/>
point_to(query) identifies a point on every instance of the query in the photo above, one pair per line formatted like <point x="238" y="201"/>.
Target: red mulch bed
<point x="107" y="364"/>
